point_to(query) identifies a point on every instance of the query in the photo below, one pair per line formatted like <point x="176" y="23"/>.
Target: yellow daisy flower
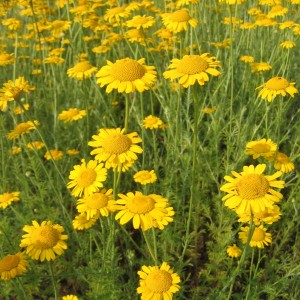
<point x="54" y="154"/>
<point x="139" y="22"/>
<point x="209" y="110"/>
<point x="13" y="265"/>
<point x="180" y="3"/>
<point x="247" y="59"/>
<point x="72" y="152"/>
<point x="6" y="199"/>
<point x="126" y="75"/>
<point x="82" y="70"/>
<point x="152" y="122"/>
<point x="35" y="145"/>
<point x="15" y="150"/>
<point x="56" y="60"/>
<point x="276" y="86"/>
<point x="115" y="147"/>
<point x="261" y="148"/>
<point x="114" y="15"/>
<point x="81" y="222"/>
<point x="44" y="241"/>
<point x="288" y="44"/>
<point x="178" y="20"/>
<point x="22" y="128"/>
<point x="6" y="59"/>
<point x="231" y="2"/>
<point x="72" y="114"/>
<point x="251" y="191"/>
<point x="86" y="178"/>
<point x="192" y="68"/>
<point x="283" y="163"/>
<point x="144" y="177"/>
<point x="260" y="67"/>
<point x="165" y="219"/>
<point x="259" y="239"/>
<point x="158" y="282"/>
<point x="233" y="251"/>
<point x="69" y="297"/>
<point x="277" y="10"/>
<point x="97" y="204"/>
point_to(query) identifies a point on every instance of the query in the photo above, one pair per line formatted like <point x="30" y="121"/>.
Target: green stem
<point x="53" y="280"/>
<point x="250" y="275"/>
<point x="126" y="113"/>
<point x="22" y="287"/>
<point x="152" y="254"/>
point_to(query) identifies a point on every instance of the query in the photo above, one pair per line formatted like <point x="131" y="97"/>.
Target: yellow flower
<point x="232" y="2"/>
<point x="13" y="265"/>
<point x="283" y="163"/>
<point x="158" y="282"/>
<point x="234" y="251"/>
<point x="288" y="44"/>
<point x="22" y="128"/>
<point x="15" y="150"/>
<point x="81" y="221"/>
<point x="69" y="297"/>
<point x="126" y="75"/>
<point x="7" y="198"/>
<point x="37" y="145"/>
<point x="247" y="59"/>
<point x="54" y="154"/>
<point x="209" y="110"/>
<point x="251" y="191"/>
<point x="261" y="148"/>
<point x="115" y="147"/>
<point x="82" y="70"/>
<point x="144" y="177"/>
<point x="259" y="239"/>
<point x="135" y="35"/>
<point x="12" y="24"/>
<point x="54" y="60"/>
<point x="192" y="68"/>
<point x="72" y="152"/>
<point x="141" y="22"/>
<point x="86" y="178"/>
<point x="97" y="204"/>
<point x="276" y="86"/>
<point x="260" y="67"/>
<point x="277" y="10"/>
<point x="115" y="14"/>
<point x="6" y="59"/>
<point x="152" y="122"/>
<point x="59" y="26"/>
<point x="19" y="110"/>
<point x="44" y="241"/>
<point x="179" y="20"/>
<point x="180" y="3"/>
<point x="72" y="114"/>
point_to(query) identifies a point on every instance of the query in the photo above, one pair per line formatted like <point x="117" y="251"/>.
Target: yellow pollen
<point x="97" y="201"/>
<point x="9" y="262"/>
<point x="159" y="281"/>
<point x="45" y="237"/>
<point x="192" y="64"/>
<point x="180" y="16"/>
<point x="140" y="204"/>
<point x="82" y="66"/>
<point x="252" y="186"/>
<point x="277" y="83"/>
<point x="261" y="148"/>
<point x="86" y="177"/>
<point x="258" y="235"/>
<point x="117" y="144"/>
<point x="127" y="69"/>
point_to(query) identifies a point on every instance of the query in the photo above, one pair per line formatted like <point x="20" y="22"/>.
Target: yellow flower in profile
<point x="233" y="251"/>
<point x="247" y="59"/>
<point x="192" y="68"/>
<point x="260" y="67"/>
<point x="15" y="150"/>
<point x="12" y="24"/>
<point x="44" y="241"/>
<point x="283" y="163"/>
<point x="96" y="204"/>
<point x="259" y="239"/>
<point x="72" y="114"/>
<point x="144" y="210"/>
<point x="59" y="27"/>
<point x="144" y="177"/>
<point x="231" y="2"/>
<point x="276" y="86"/>
<point x="6" y="199"/>
<point x="288" y="44"/>
<point x="180" y="3"/>
<point x="152" y="122"/>
<point x="72" y="152"/>
<point x="277" y="10"/>
<point x="86" y="178"/>
<point x="35" y="145"/>
<point x="158" y="283"/>
<point x="69" y="297"/>
<point x="115" y="147"/>
<point x="19" y="110"/>
<point x="126" y="75"/>
<point x="54" y="154"/>
<point x="135" y="35"/>
<point x="209" y="110"/>
<point x="261" y="148"/>
<point x="178" y="20"/>
<point x="81" y="222"/>
<point x="251" y="191"/>
<point x="139" y="22"/>
<point x="82" y="70"/>
<point x="56" y="60"/>
<point x="114" y="15"/>
<point x="13" y="265"/>
<point x="22" y="128"/>
<point x="6" y="59"/>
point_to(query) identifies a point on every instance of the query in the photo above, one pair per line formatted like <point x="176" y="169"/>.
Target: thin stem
<point x="53" y="280"/>
<point x="149" y="247"/>
<point x="22" y="288"/>
<point x="126" y="113"/>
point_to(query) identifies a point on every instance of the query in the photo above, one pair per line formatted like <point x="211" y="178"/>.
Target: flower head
<point x="81" y="221"/>
<point x="283" y="163"/>
<point x="126" y="75"/>
<point x="6" y="59"/>
<point x="158" y="282"/>
<point x="251" y="190"/>
<point x="13" y="265"/>
<point x="192" y="68"/>
<point x="261" y="148"/>
<point x="22" y="128"/>
<point x="234" y="251"/>
<point x="152" y="122"/>
<point x="44" y="241"/>
<point x="141" y="22"/>
<point x="72" y="114"/>
<point x="144" y="177"/>
<point x="54" y="154"/>
<point x="82" y="70"/>
<point x="6" y="199"/>
<point x="276" y="86"/>
<point x="259" y="239"/>
<point x="87" y="178"/>
<point x="69" y="297"/>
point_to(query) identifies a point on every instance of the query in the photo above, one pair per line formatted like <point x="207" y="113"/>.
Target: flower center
<point x="45" y="237"/>
<point x="87" y="177"/>
<point x="277" y="83"/>
<point x="140" y="204"/>
<point x="82" y="66"/>
<point x="159" y="281"/>
<point x="97" y="201"/>
<point x="180" y="16"/>
<point x="9" y="262"/>
<point x="127" y="70"/>
<point x="73" y="112"/>
<point x="282" y="158"/>
<point x="192" y="64"/>
<point x="258" y="235"/>
<point x="5" y="198"/>
<point x="261" y="148"/>
<point x="117" y="144"/>
<point x="252" y="186"/>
